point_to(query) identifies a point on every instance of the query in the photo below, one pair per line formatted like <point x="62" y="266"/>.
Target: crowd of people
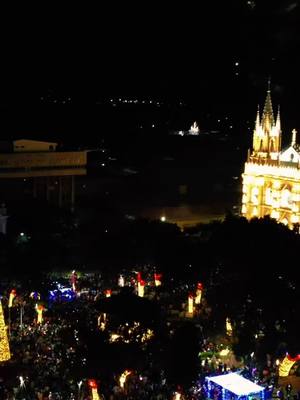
<point x="50" y="359"/>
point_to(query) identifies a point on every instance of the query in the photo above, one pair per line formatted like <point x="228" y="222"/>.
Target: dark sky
<point x="184" y="50"/>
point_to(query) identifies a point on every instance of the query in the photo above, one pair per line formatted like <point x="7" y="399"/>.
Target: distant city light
<point x="163" y="218"/>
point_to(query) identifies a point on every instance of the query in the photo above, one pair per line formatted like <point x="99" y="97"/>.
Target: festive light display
<point x="191" y="304"/>
<point x="102" y="321"/>
<point x="39" y="309"/>
<point x="108" y="293"/>
<point x="94" y="388"/>
<point x="177" y="396"/>
<point x="157" y="279"/>
<point x="271" y="176"/>
<point x="4" y="344"/>
<point x="35" y="296"/>
<point x="12" y="295"/>
<point x="121" y="281"/>
<point x="141" y="288"/>
<point x="123" y="377"/>
<point x="286" y="365"/>
<point x="198" y="293"/>
<point x="73" y="280"/>
<point x="228" y="327"/>
<point x="236" y="384"/>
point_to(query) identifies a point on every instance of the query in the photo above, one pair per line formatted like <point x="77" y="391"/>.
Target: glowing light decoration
<point x="141" y="288"/>
<point x="235" y="384"/>
<point x="224" y="352"/>
<point x="191" y="304"/>
<point x="39" y="309"/>
<point x="35" y="296"/>
<point x="157" y="279"/>
<point x="108" y="293"/>
<point x="286" y="365"/>
<point x="177" y="396"/>
<point x="73" y="280"/>
<point x="121" y="281"/>
<point x="139" y="276"/>
<point x="198" y="293"/>
<point x="94" y="388"/>
<point x="123" y="378"/>
<point x="12" y="296"/>
<point x="228" y="327"/>
<point x="4" y="343"/>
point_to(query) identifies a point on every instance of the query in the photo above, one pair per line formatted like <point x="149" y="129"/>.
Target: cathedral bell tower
<point x="267" y="132"/>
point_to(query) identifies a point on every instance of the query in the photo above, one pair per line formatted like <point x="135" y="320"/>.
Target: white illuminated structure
<point x="233" y="384"/>
<point x="194" y="129"/>
<point x="271" y="178"/>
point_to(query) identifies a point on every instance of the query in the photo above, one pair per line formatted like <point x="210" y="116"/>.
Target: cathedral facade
<point x="271" y="178"/>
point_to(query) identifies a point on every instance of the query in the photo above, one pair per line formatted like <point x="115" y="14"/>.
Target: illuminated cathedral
<point x="271" y="178"/>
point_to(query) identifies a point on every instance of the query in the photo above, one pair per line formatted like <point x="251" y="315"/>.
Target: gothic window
<point x="261" y="145"/>
<point x="272" y="146"/>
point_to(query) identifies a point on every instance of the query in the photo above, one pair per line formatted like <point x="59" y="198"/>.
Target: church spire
<point x="257" y="121"/>
<point x="294" y="133"/>
<point x="268" y="116"/>
<point x="278" y="123"/>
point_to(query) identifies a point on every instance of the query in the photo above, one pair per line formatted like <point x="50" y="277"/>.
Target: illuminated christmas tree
<point x="4" y="344"/>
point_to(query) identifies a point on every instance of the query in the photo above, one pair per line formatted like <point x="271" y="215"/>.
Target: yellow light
<point x="255" y="212"/>
<point x="191" y="304"/>
<point x="198" y="296"/>
<point x="224" y="352"/>
<point x="177" y="396"/>
<point x="285" y="367"/>
<point x="141" y="289"/>
<point x="12" y="295"/>
<point x="39" y="309"/>
<point x="245" y="198"/>
<point x="123" y="378"/>
<point x="95" y="395"/>
<point x="4" y="344"/>
<point x="244" y="209"/>
<point x="228" y="327"/>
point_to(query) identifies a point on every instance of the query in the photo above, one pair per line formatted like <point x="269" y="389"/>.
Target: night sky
<point x="213" y="55"/>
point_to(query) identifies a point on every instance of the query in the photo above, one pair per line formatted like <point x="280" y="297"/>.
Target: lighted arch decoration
<point x="286" y="365"/>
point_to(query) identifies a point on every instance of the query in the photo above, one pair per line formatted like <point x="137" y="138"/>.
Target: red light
<point x="93" y="384"/>
<point x="139" y="277"/>
<point x="297" y="358"/>
<point x="199" y="286"/>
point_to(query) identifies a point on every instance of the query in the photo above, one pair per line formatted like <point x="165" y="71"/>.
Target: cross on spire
<point x="294" y="133"/>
